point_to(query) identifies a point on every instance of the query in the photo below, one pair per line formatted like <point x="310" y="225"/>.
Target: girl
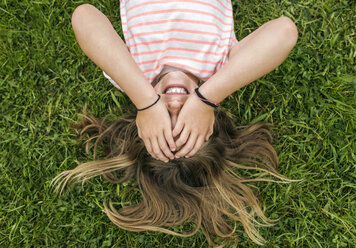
<point x="181" y="59"/>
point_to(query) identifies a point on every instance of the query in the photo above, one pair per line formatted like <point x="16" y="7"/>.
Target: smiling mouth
<point x="176" y="90"/>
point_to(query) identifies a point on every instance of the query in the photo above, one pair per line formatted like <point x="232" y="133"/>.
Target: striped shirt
<point x="190" y="35"/>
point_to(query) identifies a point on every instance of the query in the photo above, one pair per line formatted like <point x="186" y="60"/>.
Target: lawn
<point x="45" y="80"/>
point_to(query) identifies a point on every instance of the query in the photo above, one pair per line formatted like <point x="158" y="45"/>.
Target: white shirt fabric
<point x="188" y="35"/>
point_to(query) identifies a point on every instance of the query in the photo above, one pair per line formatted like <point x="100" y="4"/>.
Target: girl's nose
<point x="174" y="108"/>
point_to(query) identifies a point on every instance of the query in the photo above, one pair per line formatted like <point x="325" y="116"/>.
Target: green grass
<point x="45" y="80"/>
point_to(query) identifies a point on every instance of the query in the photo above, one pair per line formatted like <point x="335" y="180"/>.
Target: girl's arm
<point x="100" y="42"/>
<point x="256" y="55"/>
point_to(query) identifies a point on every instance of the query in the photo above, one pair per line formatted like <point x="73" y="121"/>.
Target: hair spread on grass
<point x="205" y="189"/>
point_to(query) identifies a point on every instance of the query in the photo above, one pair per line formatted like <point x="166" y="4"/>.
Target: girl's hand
<point x="154" y="128"/>
<point x="195" y="124"/>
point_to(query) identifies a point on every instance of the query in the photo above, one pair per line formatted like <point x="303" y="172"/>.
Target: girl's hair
<point x="207" y="189"/>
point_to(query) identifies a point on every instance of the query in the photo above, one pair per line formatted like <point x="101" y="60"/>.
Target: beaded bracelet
<point x="159" y="97"/>
<point x="212" y="104"/>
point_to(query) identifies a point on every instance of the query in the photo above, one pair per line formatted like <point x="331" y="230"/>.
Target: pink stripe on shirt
<point x="179" y="65"/>
<point x="178" y="20"/>
<point x="178" y="49"/>
<point x="179" y="40"/>
<point x="179" y="57"/>
<point x="175" y="30"/>
<point x="180" y="1"/>
<point x="177" y="11"/>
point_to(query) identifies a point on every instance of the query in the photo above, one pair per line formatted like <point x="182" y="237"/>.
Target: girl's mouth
<point x="175" y="89"/>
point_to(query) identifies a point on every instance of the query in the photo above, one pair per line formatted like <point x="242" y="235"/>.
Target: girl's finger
<point x="148" y="146"/>
<point x="188" y="146"/>
<point x="209" y="134"/>
<point x="157" y="150"/>
<point x="139" y="133"/>
<point x="164" y="147"/>
<point x="197" y="146"/>
<point x="178" y="128"/>
<point x="184" y="135"/>
<point x="169" y="138"/>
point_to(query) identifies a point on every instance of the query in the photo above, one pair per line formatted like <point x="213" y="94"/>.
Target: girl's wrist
<point x="205" y="100"/>
<point x="142" y="96"/>
<point x="198" y="102"/>
<point x="151" y="105"/>
<point x="210" y="93"/>
<point x="218" y="87"/>
<point x="146" y="100"/>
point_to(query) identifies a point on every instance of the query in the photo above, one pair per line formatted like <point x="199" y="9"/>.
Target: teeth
<point x="177" y="90"/>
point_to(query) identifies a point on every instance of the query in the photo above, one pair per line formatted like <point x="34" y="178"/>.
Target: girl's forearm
<point x="100" y="42"/>
<point x="254" y="56"/>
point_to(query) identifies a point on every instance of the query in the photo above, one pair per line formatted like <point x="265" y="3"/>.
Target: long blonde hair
<point x="207" y="189"/>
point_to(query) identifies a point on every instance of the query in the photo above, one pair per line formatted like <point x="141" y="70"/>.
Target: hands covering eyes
<point x="194" y="126"/>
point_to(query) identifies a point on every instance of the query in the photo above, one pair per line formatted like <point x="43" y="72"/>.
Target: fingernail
<point x="177" y="156"/>
<point x="173" y="149"/>
<point x="186" y="156"/>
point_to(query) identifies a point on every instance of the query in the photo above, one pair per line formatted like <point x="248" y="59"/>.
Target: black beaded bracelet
<point x="201" y="97"/>
<point x="159" y="97"/>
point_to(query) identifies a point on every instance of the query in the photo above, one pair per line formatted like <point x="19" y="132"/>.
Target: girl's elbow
<point x="289" y="31"/>
<point x="81" y="13"/>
